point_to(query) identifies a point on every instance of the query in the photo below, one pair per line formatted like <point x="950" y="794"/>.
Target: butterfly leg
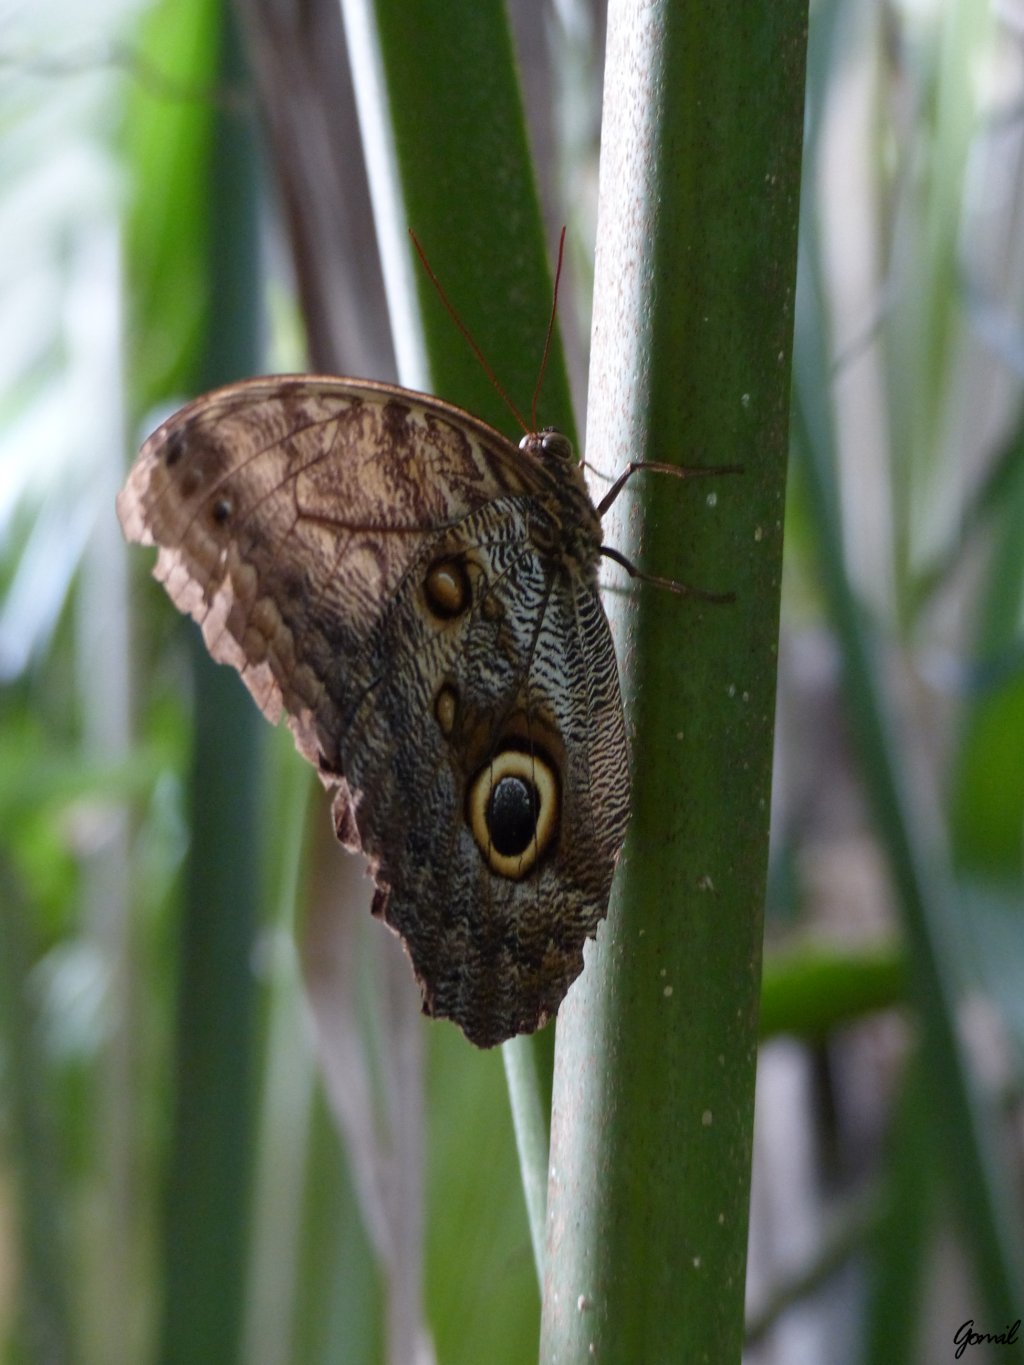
<point x="659" y="468"/>
<point x="681" y="589"/>
<point x="670" y="584"/>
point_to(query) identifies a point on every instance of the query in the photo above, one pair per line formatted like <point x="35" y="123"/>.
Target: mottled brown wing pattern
<point x="419" y="597"/>
<point x="528" y="676"/>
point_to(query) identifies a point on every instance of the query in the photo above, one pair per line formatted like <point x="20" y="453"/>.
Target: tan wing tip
<point x="130" y="512"/>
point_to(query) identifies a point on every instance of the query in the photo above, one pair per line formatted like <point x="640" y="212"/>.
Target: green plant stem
<point x="907" y="1216"/>
<point x="30" y="1141"/>
<point x="440" y="106"/>
<point x="530" y="1099"/>
<point x="656" y="1047"/>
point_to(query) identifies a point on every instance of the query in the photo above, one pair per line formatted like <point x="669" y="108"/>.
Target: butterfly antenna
<point x="550" y="333"/>
<point x="467" y="333"/>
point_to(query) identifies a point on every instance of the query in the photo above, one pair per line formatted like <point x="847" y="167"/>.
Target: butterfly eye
<point x="548" y="444"/>
<point x="555" y="446"/>
<point x="513" y="810"/>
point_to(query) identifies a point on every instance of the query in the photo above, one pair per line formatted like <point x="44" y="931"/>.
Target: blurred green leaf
<point x="812" y="991"/>
<point x="168" y="137"/>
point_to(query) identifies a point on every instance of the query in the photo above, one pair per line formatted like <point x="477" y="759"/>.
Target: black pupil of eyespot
<point x="512" y="815"/>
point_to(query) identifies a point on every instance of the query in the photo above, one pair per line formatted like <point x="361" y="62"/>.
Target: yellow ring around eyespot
<point x="539" y="773"/>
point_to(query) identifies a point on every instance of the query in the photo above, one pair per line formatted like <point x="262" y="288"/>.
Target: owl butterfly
<point x="419" y="597"/>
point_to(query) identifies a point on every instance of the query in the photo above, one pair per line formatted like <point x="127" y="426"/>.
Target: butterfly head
<point x="549" y="446"/>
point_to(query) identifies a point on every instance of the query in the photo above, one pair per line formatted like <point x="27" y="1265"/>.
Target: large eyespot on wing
<point x="286" y="512"/>
<point x="514" y="807"/>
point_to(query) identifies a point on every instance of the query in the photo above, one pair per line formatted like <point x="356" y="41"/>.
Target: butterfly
<point x="419" y="597"/>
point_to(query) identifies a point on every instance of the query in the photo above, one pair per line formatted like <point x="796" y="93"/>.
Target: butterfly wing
<point x="286" y="511"/>
<point x="496" y="817"/>
<point x="367" y="559"/>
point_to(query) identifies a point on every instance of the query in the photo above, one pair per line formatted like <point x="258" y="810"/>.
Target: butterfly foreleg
<point x="680" y="472"/>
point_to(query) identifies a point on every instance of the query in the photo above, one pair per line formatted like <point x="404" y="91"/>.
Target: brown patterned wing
<point x="418" y="597"/>
<point x="287" y="510"/>
<point x="491" y="778"/>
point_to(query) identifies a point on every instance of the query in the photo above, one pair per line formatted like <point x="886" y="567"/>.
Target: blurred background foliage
<point x="149" y="253"/>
